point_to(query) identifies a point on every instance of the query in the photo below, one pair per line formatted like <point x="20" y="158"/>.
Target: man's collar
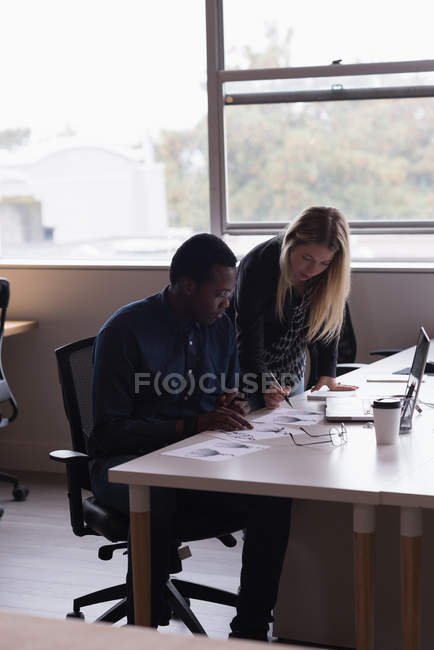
<point x="176" y="323"/>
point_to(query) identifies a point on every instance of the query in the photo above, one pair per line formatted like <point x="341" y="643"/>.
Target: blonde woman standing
<point x="291" y="291"/>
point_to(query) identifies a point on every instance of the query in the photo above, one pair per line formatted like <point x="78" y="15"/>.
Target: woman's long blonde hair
<point x="327" y="227"/>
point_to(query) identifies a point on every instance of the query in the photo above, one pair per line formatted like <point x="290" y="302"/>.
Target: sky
<point x="118" y="70"/>
<point x="372" y="30"/>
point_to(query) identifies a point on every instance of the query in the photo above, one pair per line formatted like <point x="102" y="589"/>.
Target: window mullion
<point x="216" y="140"/>
<point x="334" y="94"/>
<point x="333" y="70"/>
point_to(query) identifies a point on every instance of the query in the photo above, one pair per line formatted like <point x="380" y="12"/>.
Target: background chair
<point x="88" y="517"/>
<point x="19" y="492"/>
<point x="347" y="351"/>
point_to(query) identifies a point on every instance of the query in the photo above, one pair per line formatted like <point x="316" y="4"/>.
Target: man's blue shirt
<point x="151" y="369"/>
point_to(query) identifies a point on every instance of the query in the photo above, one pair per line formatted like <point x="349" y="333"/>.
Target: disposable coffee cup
<point x="387" y="415"/>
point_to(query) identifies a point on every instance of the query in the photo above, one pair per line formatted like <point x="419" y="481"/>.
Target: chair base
<point x="203" y="592"/>
<point x="118" y="592"/>
<point x="177" y="593"/>
<point x="19" y="492"/>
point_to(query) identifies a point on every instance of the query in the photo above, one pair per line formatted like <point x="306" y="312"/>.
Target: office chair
<point x="347" y="350"/>
<point x="88" y="517"/>
<point x="19" y="492"/>
<point x="347" y="347"/>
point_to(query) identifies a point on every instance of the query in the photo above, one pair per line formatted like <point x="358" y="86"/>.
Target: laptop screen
<point x="416" y="373"/>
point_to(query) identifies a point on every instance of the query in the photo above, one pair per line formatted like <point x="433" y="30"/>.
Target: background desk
<point x="20" y="632"/>
<point x="19" y="326"/>
<point x="354" y="474"/>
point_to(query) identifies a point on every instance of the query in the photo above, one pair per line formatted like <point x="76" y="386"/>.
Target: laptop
<point x="360" y="409"/>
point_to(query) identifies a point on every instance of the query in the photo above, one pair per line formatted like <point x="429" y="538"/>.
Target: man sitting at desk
<point x="165" y="368"/>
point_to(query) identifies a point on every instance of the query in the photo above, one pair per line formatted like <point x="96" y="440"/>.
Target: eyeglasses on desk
<point x="337" y="435"/>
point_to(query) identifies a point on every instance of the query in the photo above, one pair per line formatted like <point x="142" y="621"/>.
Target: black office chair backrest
<point x="347" y="349"/>
<point x="6" y="394"/>
<point x="347" y="346"/>
<point x="75" y="366"/>
<point x="4" y="302"/>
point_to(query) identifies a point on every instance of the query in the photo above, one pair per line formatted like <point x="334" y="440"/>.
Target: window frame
<point x="218" y="100"/>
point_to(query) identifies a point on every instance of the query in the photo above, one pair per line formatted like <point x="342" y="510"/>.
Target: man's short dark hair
<point x="196" y="257"/>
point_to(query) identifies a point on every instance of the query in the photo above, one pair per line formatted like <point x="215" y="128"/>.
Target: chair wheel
<point x="79" y="615"/>
<point x="20" y="493"/>
<point x="1" y="511"/>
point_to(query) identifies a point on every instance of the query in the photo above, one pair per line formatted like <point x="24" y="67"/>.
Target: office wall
<point x="69" y="304"/>
<point x="387" y="309"/>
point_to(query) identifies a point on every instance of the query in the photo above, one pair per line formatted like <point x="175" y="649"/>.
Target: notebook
<point x="389" y="379"/>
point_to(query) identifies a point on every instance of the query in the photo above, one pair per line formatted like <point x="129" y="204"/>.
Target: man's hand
<point x="222" y="419"/>
<point x="235" y="401"/>
<point x="275" y="395"/>
<point x="331" y="384"/>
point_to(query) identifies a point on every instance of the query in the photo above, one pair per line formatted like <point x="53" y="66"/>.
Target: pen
<point x="286" y="398"/>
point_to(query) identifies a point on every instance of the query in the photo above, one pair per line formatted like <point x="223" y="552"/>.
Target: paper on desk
<point x="259" y="432"/>
<point x="288" y="418"/>
<point x="274" y="424"/>
<point x="322" y="395"/>
<point x="215" y="450"/>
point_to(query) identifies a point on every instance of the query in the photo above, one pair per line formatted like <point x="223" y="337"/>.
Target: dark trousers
<point x="266" y="521"/>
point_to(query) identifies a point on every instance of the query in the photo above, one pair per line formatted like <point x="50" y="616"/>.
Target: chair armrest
<point x="77" y="476"/>
<point x="228" y="540"/>
<point x="68" y="456"/>
<point x="386" y="352"/>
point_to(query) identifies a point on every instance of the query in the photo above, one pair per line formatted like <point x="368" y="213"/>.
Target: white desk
<point x="356" y="473"/>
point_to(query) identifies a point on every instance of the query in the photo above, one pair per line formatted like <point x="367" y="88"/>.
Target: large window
<point x="376" y="165"/>
<point x="322" y="103"/>
<point x="103" y="147"/>
<point x="126" y="126"/>
<point x="281" y="33"/>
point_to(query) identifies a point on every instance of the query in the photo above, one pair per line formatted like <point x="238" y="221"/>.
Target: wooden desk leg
<point x="140" y="537"/>
<point x="364" y="568"/>
<point x="411" y="538"/>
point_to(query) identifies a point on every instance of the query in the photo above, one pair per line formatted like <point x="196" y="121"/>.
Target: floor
<point x="44" y="566"/>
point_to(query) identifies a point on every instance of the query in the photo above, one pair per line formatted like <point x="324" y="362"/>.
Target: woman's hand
<point x="332" y="384"/>
<point x="275" y="395"/>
